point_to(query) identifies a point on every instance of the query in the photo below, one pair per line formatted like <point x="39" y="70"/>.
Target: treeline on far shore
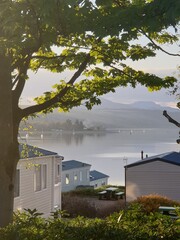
<point x="67" y="125"/>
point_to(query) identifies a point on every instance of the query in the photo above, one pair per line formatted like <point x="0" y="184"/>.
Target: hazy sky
<point x="161" y="65"/>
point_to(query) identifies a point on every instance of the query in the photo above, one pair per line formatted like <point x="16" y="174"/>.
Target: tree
<point x="92" y="39"/>
<point x="170" y="119"/>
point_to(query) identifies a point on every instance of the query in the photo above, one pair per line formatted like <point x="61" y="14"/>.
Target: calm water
<point x="105" y="151"/>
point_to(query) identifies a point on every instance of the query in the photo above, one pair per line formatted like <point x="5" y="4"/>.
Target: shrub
<point x="133" y="224"/>
<point x="27" y="225"/>
<point x="83" y="192"/>
<point x="151" y="203"/>
<point x="89" y="207"/>
<point x="89" y="191"/>
<point x="76" y="206"/>
<point x="136" y="224"/>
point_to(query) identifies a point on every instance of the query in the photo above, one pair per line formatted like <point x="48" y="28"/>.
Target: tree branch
<point x="39" y="31"/>
<point x="57" y="99"/>
<point x="24" y="65"/>
<point x="157" y="46"/>
<point x="48" y="58"/>
<point x="21" y="79"/>
<point x="47" y="104"/>
<point x="18" y="90"/>
<point x="15" y="80"/>
<point x="80" y="70"/>
<point x="170" y="119"/>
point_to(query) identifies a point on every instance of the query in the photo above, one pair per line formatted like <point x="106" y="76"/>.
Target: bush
<point x="131" y="224"/>
<point x="76" y="206"/>
<point x="151" y="203"/>
<point x="83" y="192"/>
<point x="89" y="191"/>
<point x="88" y="206"/>
<point x="136" y="224"/>
<point x="27" y="225"/>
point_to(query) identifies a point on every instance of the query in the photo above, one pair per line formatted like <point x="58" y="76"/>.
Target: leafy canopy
<point x="92" y="39"/>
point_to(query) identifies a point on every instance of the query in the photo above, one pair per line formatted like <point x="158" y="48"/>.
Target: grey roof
<point x="169" y="157"/>
<point x="28" y="151"/>
<point x="71" y="164"/>
<point x="95" y="175"/>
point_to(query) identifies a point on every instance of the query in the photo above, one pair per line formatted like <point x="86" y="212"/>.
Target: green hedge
<point x="85" y="191"/>
<point x="152" y="202"/>
<point x="127" y="225"/>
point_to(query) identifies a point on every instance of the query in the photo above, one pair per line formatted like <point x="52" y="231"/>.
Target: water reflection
<point x="67" y="137"/>
<point x="105" y="150"/>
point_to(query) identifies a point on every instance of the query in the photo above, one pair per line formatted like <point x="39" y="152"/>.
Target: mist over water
<point x="108" y="151"/>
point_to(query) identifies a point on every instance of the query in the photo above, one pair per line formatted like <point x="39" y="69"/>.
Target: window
<point x="17" y="184"/>
<point x="57" y="173"/>
<point x="40" y="177"/>
<point x="37" y="178"/>
<point x="44" y="176"/>
<point x="103" y="183"/>
<point x="80" y="176"/>
<point x="75" y="177"/>
<point x="67" y="179"/>
<point x="87" y="174"/>
<point x="58" y="170"/>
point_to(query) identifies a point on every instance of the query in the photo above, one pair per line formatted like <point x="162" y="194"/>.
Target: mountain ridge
<point x="135" y="105"/>
<point x="115" y="118"/>
<point x="114" y="115"/>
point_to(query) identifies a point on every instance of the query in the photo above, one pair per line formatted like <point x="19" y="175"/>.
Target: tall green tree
<point x="93" y="39"/>
<point x="176" y="92"/>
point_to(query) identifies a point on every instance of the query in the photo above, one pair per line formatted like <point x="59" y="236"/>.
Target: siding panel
<point x="42" y="200"/>
<point x="154" y="177"/>
<point x="72" y="183"/>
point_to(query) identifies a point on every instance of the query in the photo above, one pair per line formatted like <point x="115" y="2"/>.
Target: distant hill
<point x="150" y="106"/>
<point x="116" y="115"/>
<point x="146" y="105"/>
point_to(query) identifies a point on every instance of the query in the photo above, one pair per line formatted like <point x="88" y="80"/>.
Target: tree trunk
<point x="9" y="152"/>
